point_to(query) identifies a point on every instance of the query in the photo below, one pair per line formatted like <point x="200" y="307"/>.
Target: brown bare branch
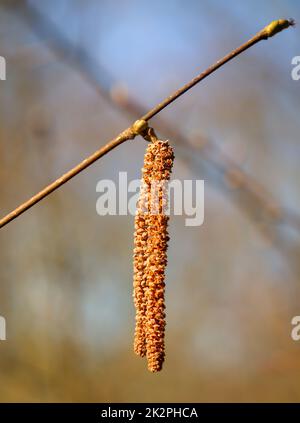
<point x="131" y="132"/>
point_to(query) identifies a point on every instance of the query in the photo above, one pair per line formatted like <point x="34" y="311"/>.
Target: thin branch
<point x="267" y="32"/>
<point x="139" y="126"/>
<point x="248" y="194"/>
<point x="124" y="136"/>
<point x="92" y="71"/>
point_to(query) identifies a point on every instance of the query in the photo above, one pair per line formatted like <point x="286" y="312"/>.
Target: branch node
<point x="139" y="127"/>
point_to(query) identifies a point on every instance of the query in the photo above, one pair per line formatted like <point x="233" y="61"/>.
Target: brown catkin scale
<point x="150" y="255"/>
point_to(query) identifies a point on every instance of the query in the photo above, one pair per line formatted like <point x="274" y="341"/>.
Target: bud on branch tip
<point x="277" y="26"/>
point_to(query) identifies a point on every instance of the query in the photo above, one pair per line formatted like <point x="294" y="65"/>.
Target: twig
<point x="270" y="30"/>
<point x="124" y="136"/>
<point x="98" y="78"/>
<point x="139" y="126"/>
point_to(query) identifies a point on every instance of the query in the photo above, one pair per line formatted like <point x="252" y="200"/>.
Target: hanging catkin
<point x="150" y="254"/>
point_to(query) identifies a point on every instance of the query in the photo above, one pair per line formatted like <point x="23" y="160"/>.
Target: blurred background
<point x="79" y="72"/>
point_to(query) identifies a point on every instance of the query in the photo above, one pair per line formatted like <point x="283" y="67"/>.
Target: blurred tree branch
<point x="95" y="75"/>
<point x="250" y="194"/>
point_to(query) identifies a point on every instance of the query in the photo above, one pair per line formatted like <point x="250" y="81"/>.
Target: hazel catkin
<point x="150" y="254"/>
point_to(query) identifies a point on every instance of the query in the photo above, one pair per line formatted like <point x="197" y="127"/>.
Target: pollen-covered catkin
<point x="158" y="164"/>
<point x="139" y="277"/>
<point x="150" y="254"/>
